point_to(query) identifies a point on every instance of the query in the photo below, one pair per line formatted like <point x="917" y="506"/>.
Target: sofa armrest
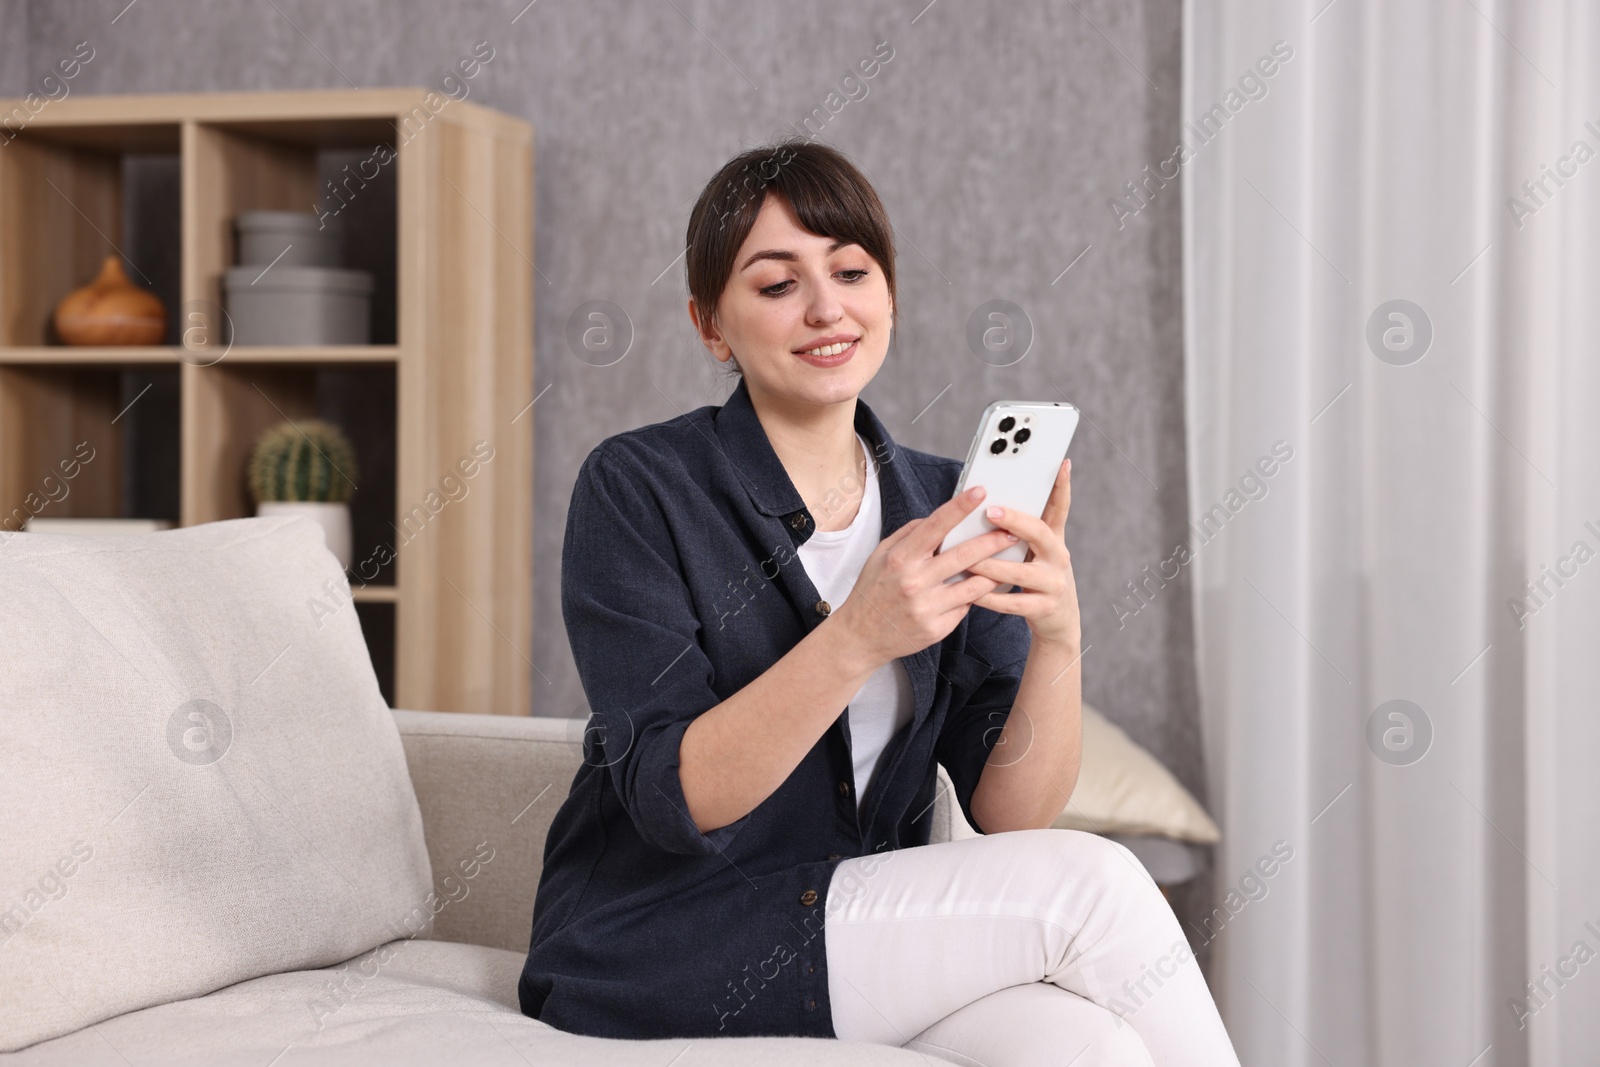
<point x="488" y="786"/>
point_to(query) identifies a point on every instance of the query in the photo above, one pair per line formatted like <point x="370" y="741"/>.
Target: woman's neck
<point x="817" y="446"/>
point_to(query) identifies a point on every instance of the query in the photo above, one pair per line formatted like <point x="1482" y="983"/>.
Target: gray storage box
<point x="298" y="305"/>
<point x="295" y="236"/>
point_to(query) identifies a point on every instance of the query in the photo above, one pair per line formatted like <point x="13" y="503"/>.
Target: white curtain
<point x="1383" y="691"/>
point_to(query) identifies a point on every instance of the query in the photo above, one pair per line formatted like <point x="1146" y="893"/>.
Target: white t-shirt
<point x="833" y="560"/>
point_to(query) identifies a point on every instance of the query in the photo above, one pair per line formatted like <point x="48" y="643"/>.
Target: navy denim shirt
<point x="679" y="586"/>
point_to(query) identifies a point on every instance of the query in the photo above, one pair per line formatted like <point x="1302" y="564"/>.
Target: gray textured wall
<point x="996" y="135"/>
<point x="15" y="63"/>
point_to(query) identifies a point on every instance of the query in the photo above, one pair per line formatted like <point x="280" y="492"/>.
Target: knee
<point x="1132" y="863"/>
<point x="1108" y="865"/>
<point x="1099" y="857"/>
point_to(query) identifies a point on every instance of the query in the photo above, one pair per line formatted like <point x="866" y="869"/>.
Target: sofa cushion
<point x="488" y="786"/>
<point x="202" y="781"/>
<point x="408" y="1002"/>
<point x="1123" y="789"/>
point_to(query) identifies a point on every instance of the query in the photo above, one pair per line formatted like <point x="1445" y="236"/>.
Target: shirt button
<point x="834" y="856"/>
<point x="844" y="789"/>
<point x="798" y="520"/>
<point x="812" y="969"/>
<point x="811" y="1004"/>
<point x="823" y="607"/>
<point x="809" y="897"/>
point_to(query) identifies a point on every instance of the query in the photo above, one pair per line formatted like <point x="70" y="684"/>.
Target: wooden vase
<point x="111" y="311"/>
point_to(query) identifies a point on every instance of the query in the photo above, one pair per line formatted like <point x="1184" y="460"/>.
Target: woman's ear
<point x="710" y="336"/>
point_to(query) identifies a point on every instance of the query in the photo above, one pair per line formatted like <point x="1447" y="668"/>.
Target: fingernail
<point x="1011" y="537"/>
<point x="975" y="493"/>
<point x="995" y="513"/>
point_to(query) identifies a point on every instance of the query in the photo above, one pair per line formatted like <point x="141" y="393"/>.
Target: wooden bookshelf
<point x="455" y="366"/>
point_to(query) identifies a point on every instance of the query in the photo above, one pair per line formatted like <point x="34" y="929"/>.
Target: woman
<point x="774" y="662"/>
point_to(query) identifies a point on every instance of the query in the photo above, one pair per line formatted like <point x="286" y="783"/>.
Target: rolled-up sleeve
<point x="972" y="727"/>
<point x="633" y="630"/>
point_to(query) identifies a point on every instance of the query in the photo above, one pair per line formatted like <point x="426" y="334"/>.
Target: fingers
<point x="1040" y="577"/>
<point x="962" y="594"/>
<point x="964" y="555"/>
<point x="925" y="539"/>
<point x="1060" y="502"/>
<point x="1035" y="531"/>
<point x="1015" y="603"/>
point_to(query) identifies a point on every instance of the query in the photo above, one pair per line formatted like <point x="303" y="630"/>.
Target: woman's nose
<point x="824" y="306"/>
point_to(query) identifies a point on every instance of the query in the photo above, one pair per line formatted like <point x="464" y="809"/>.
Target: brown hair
<point x="829" y="195"/>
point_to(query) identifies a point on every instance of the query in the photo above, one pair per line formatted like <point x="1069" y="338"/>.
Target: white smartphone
<point x="1015" y="456"/>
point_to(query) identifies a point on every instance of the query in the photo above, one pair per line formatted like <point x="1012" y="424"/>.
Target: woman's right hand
<point x="900" y="603"/>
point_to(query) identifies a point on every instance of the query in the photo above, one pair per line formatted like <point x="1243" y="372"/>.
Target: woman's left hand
<point x="1050" y="598"/>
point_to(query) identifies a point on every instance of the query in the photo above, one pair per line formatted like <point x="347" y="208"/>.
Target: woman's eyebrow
<point x="785" y="254"/>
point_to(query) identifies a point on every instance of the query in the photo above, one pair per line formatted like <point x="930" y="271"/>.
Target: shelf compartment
<point x="329" y="167"/>
<point x="228" y="405"/>
<point x="88" y="442"/>
<point x="64" y="194"/>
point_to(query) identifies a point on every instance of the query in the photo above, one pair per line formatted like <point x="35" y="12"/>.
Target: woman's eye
<point x="779" y="289"/>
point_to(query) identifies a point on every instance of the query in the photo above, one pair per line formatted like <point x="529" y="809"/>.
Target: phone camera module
<point x="998" y="446"/>
<point x="1006" y="424"/>
<point x="1022" y="435"/>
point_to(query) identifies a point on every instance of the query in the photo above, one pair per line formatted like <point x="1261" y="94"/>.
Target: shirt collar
<point x="745" y="444"/>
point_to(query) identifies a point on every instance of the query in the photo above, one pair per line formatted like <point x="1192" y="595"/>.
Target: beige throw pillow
<point x="1123" y="789"/>
<point x="201" y="781"/>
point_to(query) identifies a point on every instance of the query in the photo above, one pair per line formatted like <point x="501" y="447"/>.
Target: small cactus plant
<point x="303" y="460"/>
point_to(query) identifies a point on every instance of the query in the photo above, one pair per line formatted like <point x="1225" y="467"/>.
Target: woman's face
<point x="791" y="291"/>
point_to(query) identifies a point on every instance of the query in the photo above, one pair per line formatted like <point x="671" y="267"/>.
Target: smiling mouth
<point x="828" y="350"/>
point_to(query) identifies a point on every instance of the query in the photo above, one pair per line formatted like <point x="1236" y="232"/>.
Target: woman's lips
<point x="831" y="361"/>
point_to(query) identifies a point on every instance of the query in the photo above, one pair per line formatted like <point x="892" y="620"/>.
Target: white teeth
<point x="830" y="350"/>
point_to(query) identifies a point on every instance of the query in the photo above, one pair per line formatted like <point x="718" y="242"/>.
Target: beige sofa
<point x="487" y="787"/>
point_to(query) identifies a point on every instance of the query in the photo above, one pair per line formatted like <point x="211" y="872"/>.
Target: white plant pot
<point x="333" y="518"/>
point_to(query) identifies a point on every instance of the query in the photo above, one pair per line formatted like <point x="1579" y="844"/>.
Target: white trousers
<point x="1033" y="948"/>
